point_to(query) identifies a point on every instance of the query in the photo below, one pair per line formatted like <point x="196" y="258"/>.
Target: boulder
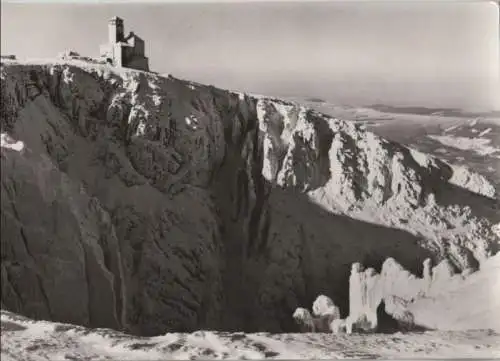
<point x="304" y="319"/>
<point x="323" y="305"/>
<point x="338" y="326"/>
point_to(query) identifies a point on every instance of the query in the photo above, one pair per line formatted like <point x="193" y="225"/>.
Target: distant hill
<point x="446" y="112"/>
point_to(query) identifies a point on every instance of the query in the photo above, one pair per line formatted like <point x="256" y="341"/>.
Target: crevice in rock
<point x="29" y="254"/>
<point x="89" y="285"/>
<point x="228" y="181"/>
<point x="8" y="283"/>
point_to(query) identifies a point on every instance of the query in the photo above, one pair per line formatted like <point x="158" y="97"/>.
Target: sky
<point x="401" y="53"/>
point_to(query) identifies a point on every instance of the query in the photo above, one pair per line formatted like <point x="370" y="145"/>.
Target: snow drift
<point x="28" y="340"/>
<point x="148" y="204"/>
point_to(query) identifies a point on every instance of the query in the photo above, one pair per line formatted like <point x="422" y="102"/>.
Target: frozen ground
<point x="27" y="340"/>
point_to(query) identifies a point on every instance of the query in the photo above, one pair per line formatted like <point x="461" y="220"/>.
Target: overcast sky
<point x="400" y="53"/>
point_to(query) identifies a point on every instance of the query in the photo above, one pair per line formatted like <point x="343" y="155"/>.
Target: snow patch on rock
<point x="478" y="145"/>
<point x="7" y="142"/>
<point x="463" y="177"/>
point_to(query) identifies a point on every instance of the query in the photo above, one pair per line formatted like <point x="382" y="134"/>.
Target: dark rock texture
<point x="151" y="204"/>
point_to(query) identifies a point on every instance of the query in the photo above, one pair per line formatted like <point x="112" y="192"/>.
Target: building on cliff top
<point x="123" y="51"/>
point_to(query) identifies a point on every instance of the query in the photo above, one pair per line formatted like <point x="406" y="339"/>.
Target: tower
<point x="123" y="51"/>
<point x="115" y="30"/>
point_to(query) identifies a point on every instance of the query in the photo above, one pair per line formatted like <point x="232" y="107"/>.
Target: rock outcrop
<point x="324" y="314"/>
<point x="323" y="305"/>
<point x="365" y="294"/>
<point x="149" y="204"/>
<point x="402" y="294"/>
<point x="304" y="320"/>
<point x="340" y="326"/>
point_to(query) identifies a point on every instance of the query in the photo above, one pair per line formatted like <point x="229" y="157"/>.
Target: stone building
<point x="123" y="51"/>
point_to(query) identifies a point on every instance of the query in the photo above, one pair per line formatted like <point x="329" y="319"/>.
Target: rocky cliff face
<point x="149" y="204"/>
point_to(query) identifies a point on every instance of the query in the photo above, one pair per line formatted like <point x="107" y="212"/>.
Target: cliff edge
<point x="152" y="204"/>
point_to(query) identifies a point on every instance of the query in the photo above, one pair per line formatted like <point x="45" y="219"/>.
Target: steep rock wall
<point x="177" y="206"/>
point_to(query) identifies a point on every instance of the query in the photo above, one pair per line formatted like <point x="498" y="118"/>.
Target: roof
<point x="132" y="35"/>
<point x="116" y="19"/>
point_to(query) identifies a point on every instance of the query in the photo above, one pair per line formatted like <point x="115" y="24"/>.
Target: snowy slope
<point x="28" y="340"/>
<point x="150" y="204"/>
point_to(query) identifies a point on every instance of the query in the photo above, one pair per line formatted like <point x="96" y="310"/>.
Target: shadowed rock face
<point x="387" y="323"/>
<point x="152" y="204"/>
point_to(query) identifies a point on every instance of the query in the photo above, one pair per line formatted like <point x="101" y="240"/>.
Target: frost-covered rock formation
<point x="339" y="325"/>
<point x="364" y="297"/>
<point x="425" y="301"/>
<point x="304" y="320"/>
<point x="147" y="204"/>
<point x="324" y="306"/>
<point x="324" y="314"/>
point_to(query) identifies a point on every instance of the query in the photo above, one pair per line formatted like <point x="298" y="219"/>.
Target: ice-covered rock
<point x="401" y="295"/>
<point x="392" y="289"/>
<point x="323" y="305"/>
<point x="324" y="312"/>
<point x="365" y="294"/>
<point x="304" y="319"/>
<point x="338" y="325"/>
<point x="320" y="320"/>
<point x="325" y="317"/>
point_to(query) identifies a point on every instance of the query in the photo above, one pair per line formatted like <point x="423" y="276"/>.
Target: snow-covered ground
<point x="28" y="340"/>
<point x="479" y="145"/>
